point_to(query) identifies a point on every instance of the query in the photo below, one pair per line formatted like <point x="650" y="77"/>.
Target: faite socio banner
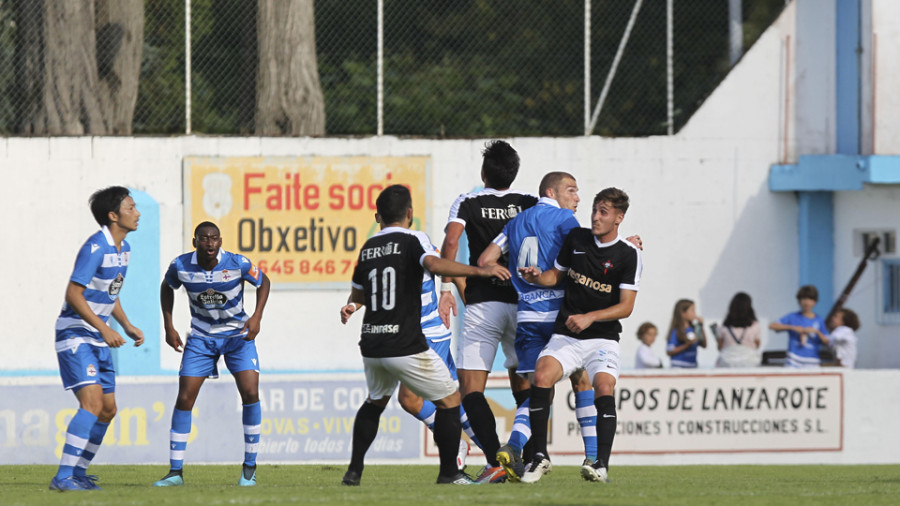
<point x="302" y="220"/>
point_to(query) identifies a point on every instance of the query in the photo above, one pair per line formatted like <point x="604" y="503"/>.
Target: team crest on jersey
<point x="116" y="285"/>
<point x="211" y="299"/>
<point x="607" y="265"/>
<point x="91" y="370"/>
<point x="225" y="275"/>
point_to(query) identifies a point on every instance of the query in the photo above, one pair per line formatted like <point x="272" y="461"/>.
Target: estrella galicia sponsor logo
<point x="116" y="285"/>
<point x="211" y="299"/>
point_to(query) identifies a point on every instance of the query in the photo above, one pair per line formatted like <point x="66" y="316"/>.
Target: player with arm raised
<point x="387" y="280"/>
<point x="83" y="337"/>
<point x="214" y="282"/>
<point x="602" y="275"/>
<point x="490" y="319"/>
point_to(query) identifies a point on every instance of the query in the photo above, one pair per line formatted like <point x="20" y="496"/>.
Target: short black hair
<point x="105" y="201"/>
<point x="616" y="198"/>
<point x="500" y="165"/>
<point x="851" y="319"/>
<point x="808" y="292"/>
<point x="551" y="180"/>
<point x="392" y="203"/>
<point x="204" y="225"/>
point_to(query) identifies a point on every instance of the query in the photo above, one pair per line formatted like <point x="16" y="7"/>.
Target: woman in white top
<point x="738" y="338"/>
<point x="646" y="358"/>
<point x="843" y="339"/>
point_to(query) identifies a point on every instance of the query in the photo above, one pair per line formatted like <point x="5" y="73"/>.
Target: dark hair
<point x="678" y="321"/>
<point x="740" y="311"/>
<point x="204" y="225"/>
<point x="850" y="318"/>
<point x="808" y="292"/>
<point x="500" y="165"/>
<point x="392" y="203"/>
<point x="646" y="326"/>
<point x="105" y="201"/>
<point x="551" y="180"/>
<point x="616" y="197"/>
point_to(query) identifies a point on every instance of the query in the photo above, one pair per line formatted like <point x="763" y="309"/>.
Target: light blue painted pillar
<point x="140" y="293"/>
<point x="816" y="245"/>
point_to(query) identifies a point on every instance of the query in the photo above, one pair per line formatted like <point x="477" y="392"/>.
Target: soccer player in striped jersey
<point x="83" y="337"/>
<point x="214" y="282"/>
<point x="387" y="280"/>
<point x="602" y="274"/>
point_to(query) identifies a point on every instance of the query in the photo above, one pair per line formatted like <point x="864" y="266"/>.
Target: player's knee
<point x="451" y="401"/>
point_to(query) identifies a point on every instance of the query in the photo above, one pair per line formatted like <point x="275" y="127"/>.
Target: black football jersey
<point x="389" y="270"/>
<point x="484" y="213"/>
<point x="596" y="274"/>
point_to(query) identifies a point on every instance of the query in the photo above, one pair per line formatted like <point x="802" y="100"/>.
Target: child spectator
<point x="738" y="338"/>
<point x="646" y="357"/>
<point x="843" y="339"/>
<point x="685" y="334"/>
<point x="805" y="330"/>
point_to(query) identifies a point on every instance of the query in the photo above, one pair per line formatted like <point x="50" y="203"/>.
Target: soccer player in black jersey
<point x="490" y="303"/>
<point x="387" y="280"/>
<point x="602" y="275"/>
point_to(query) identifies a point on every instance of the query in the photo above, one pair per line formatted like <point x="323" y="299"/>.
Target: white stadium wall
<point x="700" y="201"/>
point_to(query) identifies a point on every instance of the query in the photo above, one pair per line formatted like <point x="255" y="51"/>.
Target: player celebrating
<point x="83" y="337"/>
<point x="602" y="276"/>
<point x="388" y="281"/>
<point x="214" y="281"/>
<point x="490" y="304"/>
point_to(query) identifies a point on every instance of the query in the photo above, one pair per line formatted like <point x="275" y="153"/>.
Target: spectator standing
<point x="843" y="338"/>
<point x="685" y="335"/>
<point x="646" y="358"/>
<point x="738" y="338"/>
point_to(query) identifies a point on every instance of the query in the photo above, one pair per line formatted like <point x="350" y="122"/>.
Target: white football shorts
<point x="424" y="373"/>
<point x="592" y="355"/>
<point x="487" y="325"/>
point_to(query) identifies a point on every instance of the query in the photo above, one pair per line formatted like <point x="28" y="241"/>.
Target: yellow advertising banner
<point x="302" y="220"/>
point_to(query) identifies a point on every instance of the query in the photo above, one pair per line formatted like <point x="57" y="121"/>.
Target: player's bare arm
<point x="75" y="299"/>
<point x="578" y="322"/>
<point x="490" y="255"/>
<point x="354" y="303"/>
<point x="449" y="248"/>
<point x="131" y="331"/>
<point x="251" y="326"/>
<point x="446" y="267"/>
<point x="167" y="302"/>
<point x="549" y="278"/>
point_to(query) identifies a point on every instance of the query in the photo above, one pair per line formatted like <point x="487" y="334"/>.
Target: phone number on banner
<point x="290" y="266"/>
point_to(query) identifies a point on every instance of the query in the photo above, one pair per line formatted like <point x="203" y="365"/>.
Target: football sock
<point x="252" y="418"/>
<point x="540" y="416"/>
<point x="521" y="431"/>
<point x="484" y="425"/>
<point x="606" y="426"/>
<point x="426" y="414"/>
<point x="178" y="436"/>
<point x="467" y="427"/>
<point x="447" y="430"/>
<point x="365" y="428"/>
<point x="90" y="449"/>
<point x="586" y="413"/>
<point x="77" y="436"/>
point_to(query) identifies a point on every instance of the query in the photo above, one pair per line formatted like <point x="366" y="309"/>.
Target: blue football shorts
<point x="531" y="338"/>
<point x="84" y="364"/>
<point x="442" y="348"/>
<point x="201" y="356"/>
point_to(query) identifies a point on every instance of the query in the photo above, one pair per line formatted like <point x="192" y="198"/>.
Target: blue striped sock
<point x="252" y="418"/>
<point x="178" y="436"/>
<point x="521" y="430"/>
<point x="467" y="426"/>
<point x="586" y="413"/>
<point x="426" y="414"/>
<point x="98" y="431"/>
<point x="77" y="437"/>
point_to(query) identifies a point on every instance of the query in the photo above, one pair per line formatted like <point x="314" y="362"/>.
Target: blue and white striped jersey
<point x="217" y="296"/>
<point x="533" y="238"/>
<point x="432" y="326"/>
<point x="100" y="268"/>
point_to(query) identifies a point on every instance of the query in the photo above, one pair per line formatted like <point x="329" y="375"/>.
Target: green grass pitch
<point x="414" y="484"/>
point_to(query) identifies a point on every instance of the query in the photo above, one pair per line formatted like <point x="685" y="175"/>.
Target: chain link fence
<point x="400" y="67"/>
